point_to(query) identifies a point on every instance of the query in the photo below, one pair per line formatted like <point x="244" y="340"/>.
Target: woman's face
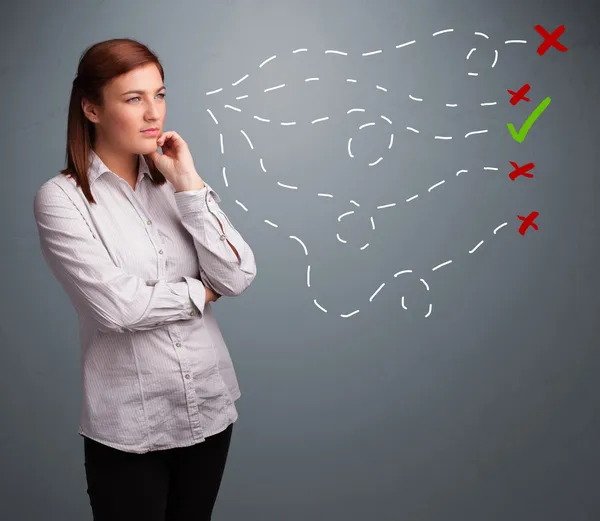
<point x="133" y="102"/>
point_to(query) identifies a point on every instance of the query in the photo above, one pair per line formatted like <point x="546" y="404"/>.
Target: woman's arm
<point x="115" y="300"/>
<point x="226" y="260"/>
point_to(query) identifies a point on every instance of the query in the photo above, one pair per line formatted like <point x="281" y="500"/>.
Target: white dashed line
<point x="442" y="32"/>
<point x="212" y="116"/>
<point x="247" y="139"/>
<point x="501" y="226"/>
<point x="225" y="177"/>
<point x="437" y="184"/>
<point x="240" y="80"/>
<point x="440" y="265"/>
<point x="303" y="245"/>
<point x="391" y="140"/>
<point x="267" y="61"/>
<point x="475" y="248"/>
<point x="275" y="88"/>
<point x="287" y="186"/>
<point x="319" y="306"/>
<point x="475" y="132"/>
<point x="376" y="291"/>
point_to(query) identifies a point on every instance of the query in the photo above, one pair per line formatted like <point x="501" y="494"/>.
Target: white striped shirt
<point x="155" y="370"/>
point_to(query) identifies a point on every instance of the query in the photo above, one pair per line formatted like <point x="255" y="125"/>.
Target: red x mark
<point x="520" y="170"/>
<point x="519" y="95"/>
<point x="550" y="40"/>
<point x="527" y="222"/>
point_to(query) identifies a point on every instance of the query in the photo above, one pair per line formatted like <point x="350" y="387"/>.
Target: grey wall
<point x="487" y="409"/>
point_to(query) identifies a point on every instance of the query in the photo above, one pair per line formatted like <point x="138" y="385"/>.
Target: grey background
<point x="485" y="410"/>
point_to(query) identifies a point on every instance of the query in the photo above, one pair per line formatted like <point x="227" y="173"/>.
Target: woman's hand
<point x="176" y="162"/>
<point x="211" y="296"/>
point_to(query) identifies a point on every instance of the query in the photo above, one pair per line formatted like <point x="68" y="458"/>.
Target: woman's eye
<point x="163" y="94"/>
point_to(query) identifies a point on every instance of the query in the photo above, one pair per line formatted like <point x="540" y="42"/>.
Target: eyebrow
<point x="141" y="91"/>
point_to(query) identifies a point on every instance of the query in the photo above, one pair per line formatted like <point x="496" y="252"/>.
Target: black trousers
<point x="179" y="484"/>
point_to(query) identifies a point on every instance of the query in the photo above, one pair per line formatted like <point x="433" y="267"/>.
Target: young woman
<point x="139" y="243"/>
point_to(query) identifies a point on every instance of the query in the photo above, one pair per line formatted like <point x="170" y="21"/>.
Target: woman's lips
<point x="151" y="132"/>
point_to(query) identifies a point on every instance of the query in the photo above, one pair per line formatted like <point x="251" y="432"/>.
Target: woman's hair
<point x="98" y="65"/>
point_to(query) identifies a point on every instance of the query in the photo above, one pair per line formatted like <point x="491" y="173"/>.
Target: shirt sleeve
<point x="100" y="290"/>
<point x="220" y="267"/>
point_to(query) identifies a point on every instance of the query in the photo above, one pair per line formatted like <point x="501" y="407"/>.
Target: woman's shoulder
<point x="55" y="189"/>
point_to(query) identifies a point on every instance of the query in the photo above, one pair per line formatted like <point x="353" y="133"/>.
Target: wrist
<point x="192" y="182"/>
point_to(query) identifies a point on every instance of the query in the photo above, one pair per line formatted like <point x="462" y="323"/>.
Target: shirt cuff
<point x="197" y="293"/>
<point x="190" y="201"/>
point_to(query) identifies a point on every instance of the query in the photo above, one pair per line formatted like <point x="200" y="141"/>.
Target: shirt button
<point x="223" y="237"/>
<point x="187" y="376"/>
<point x="192" y="312"/>
<point x="148" y="222"/>
<point x="160" y="252"/>
<point x="178" y="344"/>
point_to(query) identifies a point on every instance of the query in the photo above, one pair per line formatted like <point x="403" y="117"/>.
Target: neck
<point x="123" y="165"/>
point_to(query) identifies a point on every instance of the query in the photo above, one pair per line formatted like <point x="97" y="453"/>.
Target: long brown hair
<point x="98" y="65"/>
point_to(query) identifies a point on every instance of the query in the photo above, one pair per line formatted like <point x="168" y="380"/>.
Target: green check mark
<point x="520" y="135"/>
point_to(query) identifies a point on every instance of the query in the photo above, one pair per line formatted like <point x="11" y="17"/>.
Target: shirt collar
<point x="97" y="167"/>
